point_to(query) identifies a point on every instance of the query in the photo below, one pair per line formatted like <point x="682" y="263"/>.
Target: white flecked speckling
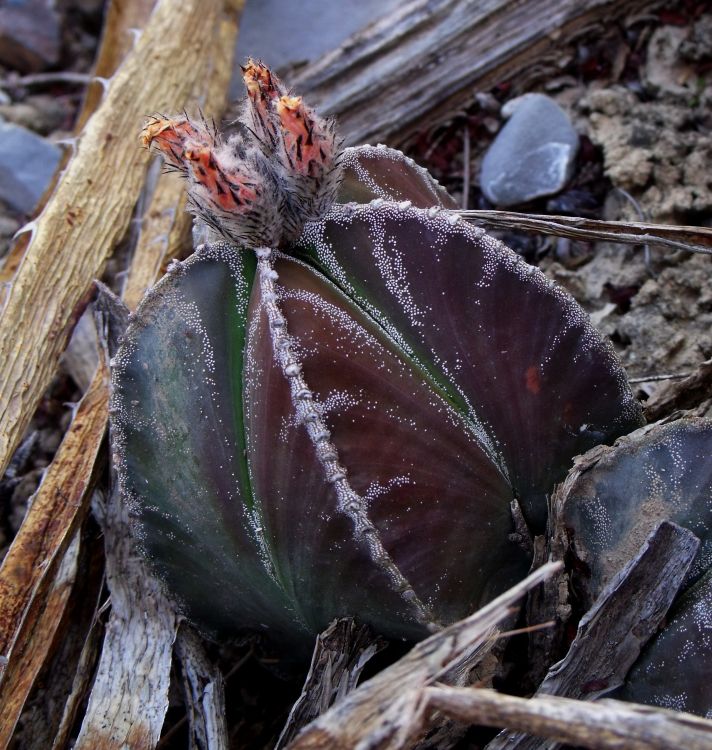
<point x="356" y="158"/>
<point x="309" y="414"/>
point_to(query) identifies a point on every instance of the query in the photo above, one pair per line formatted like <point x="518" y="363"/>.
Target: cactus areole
<point x="331" y="406"/>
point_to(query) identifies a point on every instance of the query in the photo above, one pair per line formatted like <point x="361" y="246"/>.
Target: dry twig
<point x="605" y="725"/>
<point x="29" y="571"/>
<point x="623" y="618"/>
<point x="340" y="654"/>
<point x="384" y="712"/>
<point x="91" y="208"/>
<point x="689" y="239"/>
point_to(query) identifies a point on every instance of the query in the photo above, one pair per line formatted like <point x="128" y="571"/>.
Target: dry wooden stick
<point x="626" y="614"/>
<point x="203" y="692"/>
<point x="686" y="393"/>
<point x="33" y="646"/>
<point x="621" y="621"/>
<point x="36" y="575"/>
<point x="92" y="206"/>
<point x="62" y="498"/>
<point x="130" y="693"/>
<point x="123" y="21"/>
<point x="340" y="654"/>
<point x="56" y="510"/>
<point x="165" y="230"/>
<point x="383" y="711"/>
<point x="690" y="239"/>
<point x="417" y="65"/>
<point x="31" y="568"/>
<point x="71" y="700"/>
<point x="129" y="696"/>
<point x="605" y="725"/>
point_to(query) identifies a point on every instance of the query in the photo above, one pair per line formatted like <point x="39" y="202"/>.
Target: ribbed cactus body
<point x="334" y="407"/>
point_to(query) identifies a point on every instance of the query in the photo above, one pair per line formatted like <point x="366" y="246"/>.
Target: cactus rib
<point x="348" y="501"/>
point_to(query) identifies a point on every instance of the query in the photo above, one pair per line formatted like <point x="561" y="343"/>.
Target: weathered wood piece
<point x="89" y="634"/>
<point x="340" y="654"/>
<point x="383" y="712"/>
<point x="690" y="392"/>
<point x="130" y="692"/>
<point x="124" y="20"/>
<point x="204" y="693"/>
<point x="35" y="567"/>
<point x="604" y="725"/>
<point x="37" y="564"/>
<point x="623" y="618"/>
<point x="165" y="233"/>
<point x="48" y="716"/>
<point x="56" y="510"/>
<point x="29" y="570"/>
<point x="92" y="206"/>
<point x="165" y="229"/>
<point x="627" y="613"/>
<point x="32" y="646"/>
<point x="419" y="64"/>
<point x="129" y="697"/>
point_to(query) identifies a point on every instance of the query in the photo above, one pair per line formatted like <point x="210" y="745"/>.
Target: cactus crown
<point x="263" y="184"/>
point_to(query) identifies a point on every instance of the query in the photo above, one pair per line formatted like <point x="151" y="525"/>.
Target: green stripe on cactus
<point x="178" y="439"/>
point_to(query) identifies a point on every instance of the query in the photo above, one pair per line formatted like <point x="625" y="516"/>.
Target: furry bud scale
<point x="259" y="188"/>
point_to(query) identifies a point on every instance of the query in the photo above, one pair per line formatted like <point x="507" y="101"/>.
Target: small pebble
<point x="42" y="114"/>
<point x="8" y="226"/>
<point x="533" y="155"/>
<point x="27" y="164"/>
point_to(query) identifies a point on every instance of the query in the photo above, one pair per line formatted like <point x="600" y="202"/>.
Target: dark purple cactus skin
<point x="373" y="172"/>
<point x="446" y="376"/>
<point x="514" y="354"/>
<point x="419" y="465"/>
<point x="674" y="669"/>
<point x="661" y="472"/>
<point x="178" y="442"/>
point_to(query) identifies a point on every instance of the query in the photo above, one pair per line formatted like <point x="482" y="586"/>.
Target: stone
<point x="27" y="163"/>
<point x="8" y="226"/>
<point x="533" y="155"/>
<point x="30" y="38"/>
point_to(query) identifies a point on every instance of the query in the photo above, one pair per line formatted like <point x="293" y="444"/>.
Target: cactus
<point x="609" y="505"/>
<point x="673" y="671"/>
<point x="333" y="405"/>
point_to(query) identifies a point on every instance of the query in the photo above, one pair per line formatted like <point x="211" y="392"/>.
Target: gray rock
<point x="29" y="35"/>
<point x="532" y="156"/>
<point x="27" y="163"/>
